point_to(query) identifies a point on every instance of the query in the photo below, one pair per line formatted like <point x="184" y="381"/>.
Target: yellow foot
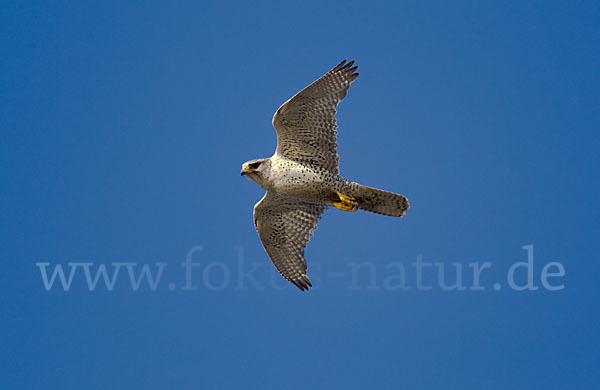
<point x="346" y="203"/>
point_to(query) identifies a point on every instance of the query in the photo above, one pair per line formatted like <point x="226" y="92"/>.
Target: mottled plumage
<point x="302" y="177"/>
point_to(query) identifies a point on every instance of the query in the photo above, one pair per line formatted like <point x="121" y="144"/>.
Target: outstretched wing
<point x="305" y="124"/>
<point x="284" y="225"/>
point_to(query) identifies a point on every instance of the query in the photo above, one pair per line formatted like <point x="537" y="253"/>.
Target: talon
<point x="346" y="203"/>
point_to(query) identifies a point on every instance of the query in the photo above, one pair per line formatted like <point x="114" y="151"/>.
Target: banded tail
<point x="379" y="201"/>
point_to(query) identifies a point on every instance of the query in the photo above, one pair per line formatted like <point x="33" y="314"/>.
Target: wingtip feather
<point x="303" y="283"/>
<point x="340" y="65"/>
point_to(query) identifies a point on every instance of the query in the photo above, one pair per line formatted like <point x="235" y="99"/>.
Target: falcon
<point x="302" y="177"/>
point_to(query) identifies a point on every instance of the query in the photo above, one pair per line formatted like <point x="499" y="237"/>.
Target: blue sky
<point x="123" y="129"/>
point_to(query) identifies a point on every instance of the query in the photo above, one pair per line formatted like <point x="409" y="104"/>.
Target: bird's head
<point x="257" y="170"/>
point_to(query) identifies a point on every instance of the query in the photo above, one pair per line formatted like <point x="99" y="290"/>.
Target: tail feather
<point x="379" y="201"/>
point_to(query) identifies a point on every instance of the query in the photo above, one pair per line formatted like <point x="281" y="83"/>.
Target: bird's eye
<point x="254" y="165"/>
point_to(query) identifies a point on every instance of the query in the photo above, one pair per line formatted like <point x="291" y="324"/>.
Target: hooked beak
<point x="245" y="170"/>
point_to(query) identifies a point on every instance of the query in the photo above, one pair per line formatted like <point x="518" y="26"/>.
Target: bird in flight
<point x="302" y="177"/>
